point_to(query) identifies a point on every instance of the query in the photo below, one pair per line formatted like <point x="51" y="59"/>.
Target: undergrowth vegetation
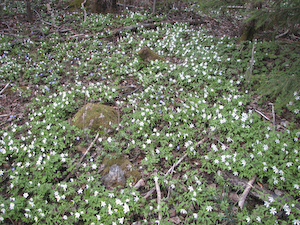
<point x="200" y="91"/>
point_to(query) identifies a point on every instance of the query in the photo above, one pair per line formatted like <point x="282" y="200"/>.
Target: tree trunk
<point x="154" y="6"/>
<point x="113" y="5"/>
<point x="29" y="11"/>
<point x="249" y="29"/>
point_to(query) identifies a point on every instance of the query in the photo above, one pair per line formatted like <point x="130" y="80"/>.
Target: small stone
<point x="278" y="192"/>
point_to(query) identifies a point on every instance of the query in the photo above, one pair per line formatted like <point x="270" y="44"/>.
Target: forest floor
<point x="27" y="91"/>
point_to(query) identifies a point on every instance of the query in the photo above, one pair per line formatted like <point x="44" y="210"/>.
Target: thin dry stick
<point x="82" y="157"/>
<point x="169" y="171"/>
<point x="149" y="193"/>
<point x="280" y="35"/>
<point x="14" y="35"/>
<point x="158" y="195"/>
<point x="246" y="191"/>
<point x="252" y="60"/>
<point x="273" y="113"/>
<point x="176" y="164"/>
<point x="82" y="6"/>
<point x="4" y="115"/>
<point x="260" y="113"/>
<point x="294" y="36"/>
<point x="4" y="88"/>
<point x="221" y="143"/>
<point x="118" y="128"/>
<point x="202" y="141"/>
<point x="89" y="147"/>
<point x="185" y="155"/>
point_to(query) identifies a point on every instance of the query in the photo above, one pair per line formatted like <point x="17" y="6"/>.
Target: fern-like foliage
<point x="284" y="14"/>
<point x="281" y="85"/>
<point x="283" y="81"/>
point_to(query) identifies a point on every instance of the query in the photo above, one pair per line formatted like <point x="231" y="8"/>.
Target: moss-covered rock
<point x="125" y="170"/>
<point x="147" y="54"/>
<point x="96" y="117"/>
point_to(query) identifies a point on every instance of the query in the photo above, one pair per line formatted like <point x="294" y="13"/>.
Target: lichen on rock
<point x="96" y="117"/>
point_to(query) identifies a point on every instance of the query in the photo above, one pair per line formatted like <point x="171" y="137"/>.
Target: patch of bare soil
<point x="12" y="105"/>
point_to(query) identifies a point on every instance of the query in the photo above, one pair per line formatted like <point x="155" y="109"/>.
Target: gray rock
<point x="115" y="177"/>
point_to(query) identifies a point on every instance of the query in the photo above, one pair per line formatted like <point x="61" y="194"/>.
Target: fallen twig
<point x="273" y="113"/>
<point x="4" y="88"/>
<point x="221" y="143"/>
<point x="202" y="141"/>
<point x="4" y="115"/>
<point x="82" y="157"/>
<point x="176" y="164"/>
<point x="14" y="35"/>
<point x="37" y="14"/>
<point x="149" y="193"/>
<point x="294" y="36"/>
<point x="257" y="191"/>
<point x="280" y="35"/>
<point x="246" y="191"/>
<point x="252" y="60"/>
<point x="158" y="195"/>
<point x="260" y="113"/>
